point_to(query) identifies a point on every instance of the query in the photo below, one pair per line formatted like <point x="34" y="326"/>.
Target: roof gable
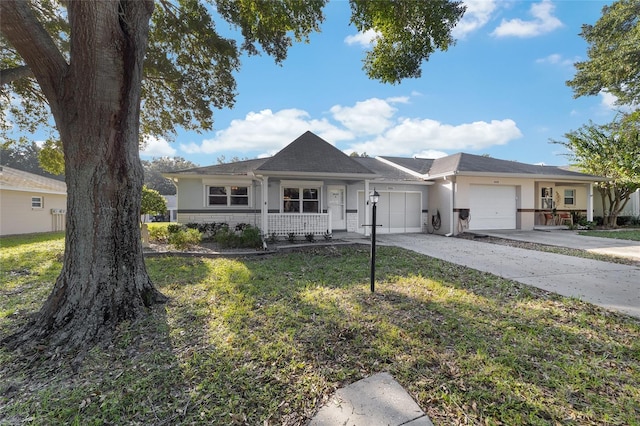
<point x="311" y="154"/>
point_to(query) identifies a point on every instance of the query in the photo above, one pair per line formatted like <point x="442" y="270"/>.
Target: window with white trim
<point x="300" y="199"/>
<point x="227" y="196"/>
<point x="37" y="203"/>
<point x="569" y="197"/>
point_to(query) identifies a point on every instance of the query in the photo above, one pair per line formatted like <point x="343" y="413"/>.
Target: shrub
<point x="291" y="237"/>
<point x="245" y="236"/>
<point x="310" y="237"/>
<point x="174" y="228"/>
<point x="159" y="234"/>
<point x="251" y="237"/>
<point x="185" y="238"/>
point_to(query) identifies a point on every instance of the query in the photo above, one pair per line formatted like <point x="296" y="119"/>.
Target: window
<point x="228" y="196"/>
<point x="36" y="203"/>
<point x="300" y="200"/>
<point x="546" y="198"/>
<point x="569" y="197"/>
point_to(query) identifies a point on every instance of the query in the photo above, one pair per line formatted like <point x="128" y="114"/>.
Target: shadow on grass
<point x="267" y="340"/>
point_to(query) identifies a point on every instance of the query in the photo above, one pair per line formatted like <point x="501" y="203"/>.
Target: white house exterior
<point x="311" y="187"/>
<point x="30" y="203"/>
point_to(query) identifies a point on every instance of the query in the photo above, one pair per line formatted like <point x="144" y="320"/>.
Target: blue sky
<point x="500" y="90"/>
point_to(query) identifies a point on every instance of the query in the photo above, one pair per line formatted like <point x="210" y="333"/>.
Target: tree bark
<point x="95" y="100"/>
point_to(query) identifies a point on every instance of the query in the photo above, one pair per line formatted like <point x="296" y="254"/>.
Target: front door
<point x="337" y="206"/>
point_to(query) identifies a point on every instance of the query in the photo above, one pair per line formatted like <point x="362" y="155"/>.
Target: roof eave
<point x="316" y="175"/>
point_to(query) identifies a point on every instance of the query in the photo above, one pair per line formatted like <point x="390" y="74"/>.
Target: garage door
<point x="492" y="207"/>
<point x="396" y="212"/>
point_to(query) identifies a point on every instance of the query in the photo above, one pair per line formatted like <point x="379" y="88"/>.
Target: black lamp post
<point x="373" y="199"/>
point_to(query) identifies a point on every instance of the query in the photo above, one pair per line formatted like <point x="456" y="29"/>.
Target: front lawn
<point x="622" y="234"/>
<point x="266" y="340"/>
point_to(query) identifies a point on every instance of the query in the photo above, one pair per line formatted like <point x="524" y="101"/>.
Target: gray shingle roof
<point x="469" y="163"/>
<point x="418" y="165"/>
<point x="386" y="171"/>
<point x="18" y="180"/>
<point x="238" y="168"/>
<point x="311" y="154"/>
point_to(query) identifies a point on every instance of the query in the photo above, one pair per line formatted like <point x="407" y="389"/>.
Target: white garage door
<point x="396" y="212"/>
<point x="492" y="207"/>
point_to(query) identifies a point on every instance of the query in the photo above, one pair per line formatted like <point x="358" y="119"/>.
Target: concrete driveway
<point x="610" y="285"/>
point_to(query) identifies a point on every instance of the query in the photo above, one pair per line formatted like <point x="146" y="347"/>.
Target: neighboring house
<point x="311" y="187"/>
<point x="30" y="203"/>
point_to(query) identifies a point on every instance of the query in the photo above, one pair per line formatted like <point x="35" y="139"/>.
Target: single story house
<point x="311" y="187"/>
<point x="30" y="203"/>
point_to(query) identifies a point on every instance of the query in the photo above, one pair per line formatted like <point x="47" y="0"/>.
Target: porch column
<point x="590" y="202"/>
<point x="264" y="208"/>
<point x="367" y="210"/>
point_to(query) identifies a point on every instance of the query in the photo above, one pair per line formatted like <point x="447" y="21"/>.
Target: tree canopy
<point x="189" y="64"/>
<point x="611" y="151"/>
<point x="152" y="202"/>
<point x="614" y="56"/>
<point x="111" y="71"/>
<point x="153" y="170"/>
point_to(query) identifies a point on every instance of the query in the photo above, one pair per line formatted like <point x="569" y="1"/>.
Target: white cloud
<point x="364" y="39"/>
<point x="418" y="135"/>
<point x="369" y="117"/>
<point x="543" y="22"/>
<point x="157" y="147"/>
<point x="267" y="132"/>
<point x="371" y="126"/>
<point x="557" y="59"/>
<point x="476" y="16"/>
<point x="608" y="100"/>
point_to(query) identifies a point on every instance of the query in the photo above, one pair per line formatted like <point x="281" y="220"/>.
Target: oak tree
<point x="109" y="71"/>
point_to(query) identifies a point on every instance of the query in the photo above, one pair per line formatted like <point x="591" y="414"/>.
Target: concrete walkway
<point x="610" y="285"/>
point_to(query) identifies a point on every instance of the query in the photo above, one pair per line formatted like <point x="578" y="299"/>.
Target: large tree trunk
<point x="96" y="108"/>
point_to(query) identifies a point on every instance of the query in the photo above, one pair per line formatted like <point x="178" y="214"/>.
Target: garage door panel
<point x="396" y="212"/>
<point x="492" y="207"/>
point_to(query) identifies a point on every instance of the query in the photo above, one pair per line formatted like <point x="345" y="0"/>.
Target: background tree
<point x="85" y="65"/>
<point x="611" y="151"/>
<point x="153" y="170"/>
<point x="152" y="202"/>
<point x="613" y="54"/>
<point x="26" y="156"/>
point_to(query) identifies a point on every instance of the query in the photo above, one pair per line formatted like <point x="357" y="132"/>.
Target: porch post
<point x="590" y="202"/>
<point x="367" y="210"/>
<point x="264" y="208"/>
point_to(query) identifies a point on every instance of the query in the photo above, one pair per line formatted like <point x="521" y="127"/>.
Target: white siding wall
<point x="18" y="217"/>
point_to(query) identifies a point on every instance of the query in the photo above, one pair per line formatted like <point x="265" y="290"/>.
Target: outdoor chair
<point x="549" y="219"/>
<point x="565" y="218"/>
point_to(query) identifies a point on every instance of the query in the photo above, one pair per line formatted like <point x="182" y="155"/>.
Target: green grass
<point x="622" y="234"/>
<point x="266" y="340"/>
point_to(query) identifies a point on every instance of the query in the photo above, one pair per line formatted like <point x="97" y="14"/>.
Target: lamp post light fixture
<point x="373" y="199"/>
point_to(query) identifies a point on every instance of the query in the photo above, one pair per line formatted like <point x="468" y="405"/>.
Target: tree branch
<point x="25" y="33"/>
<point x="12" y="74"/>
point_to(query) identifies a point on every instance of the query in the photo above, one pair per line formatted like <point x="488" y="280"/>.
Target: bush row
<point x="188" y="235"/>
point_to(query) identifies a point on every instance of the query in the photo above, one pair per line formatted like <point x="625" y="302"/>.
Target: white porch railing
<point x="283" y="224"/>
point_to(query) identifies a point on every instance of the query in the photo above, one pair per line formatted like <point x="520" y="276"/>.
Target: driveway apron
<point x="610" y="285"/>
